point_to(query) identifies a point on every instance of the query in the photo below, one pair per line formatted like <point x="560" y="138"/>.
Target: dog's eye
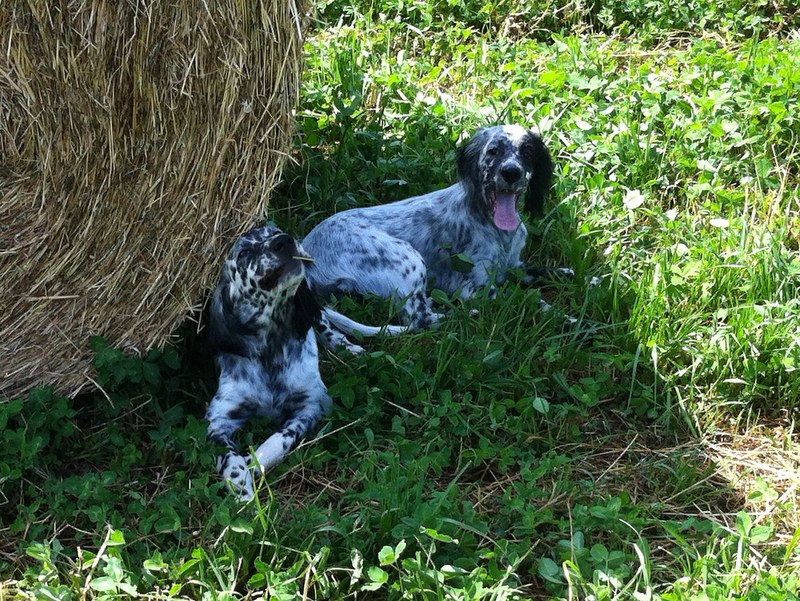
<point x="491" y="151"/>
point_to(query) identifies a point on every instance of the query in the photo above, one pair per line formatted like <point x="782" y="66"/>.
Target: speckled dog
<point x="262" y="327"/>
<point x="402" y="248"/>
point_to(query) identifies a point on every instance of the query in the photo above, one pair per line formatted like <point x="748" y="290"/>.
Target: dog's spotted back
<point x="401" y="249"/>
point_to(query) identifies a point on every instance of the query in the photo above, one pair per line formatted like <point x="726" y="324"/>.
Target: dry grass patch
<point x="136" y="140"/>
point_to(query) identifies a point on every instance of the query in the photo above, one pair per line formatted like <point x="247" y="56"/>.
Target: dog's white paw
<point x="244" y="489"/>
<point x="355" y="349"/>
<point x="235" y="471"/>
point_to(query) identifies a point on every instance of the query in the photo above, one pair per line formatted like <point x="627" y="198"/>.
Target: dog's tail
<point x="348" y="326"/>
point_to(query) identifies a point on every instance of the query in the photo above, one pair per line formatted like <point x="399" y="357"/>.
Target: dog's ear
<point x="307" y="312"/>
<point x="538" y="157"/>
<point x="467" y="161"/>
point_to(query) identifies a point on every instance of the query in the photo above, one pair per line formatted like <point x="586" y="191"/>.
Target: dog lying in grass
<point x="399" y="250"/>
<point x="263" y="329"/>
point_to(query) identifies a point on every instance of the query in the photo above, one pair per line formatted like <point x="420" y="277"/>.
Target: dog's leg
<point x="331" y="338"/>
<point x="419" y="309"/>
<point x="232" y="467"/>
<point x="479" y="277"/>
<point x="378" y="264"/>
<point x="304" y="415"/>
<point x="227" y="413"/>
<point x="403" y="275"/>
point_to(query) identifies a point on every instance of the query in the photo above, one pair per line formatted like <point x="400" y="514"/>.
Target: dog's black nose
<point x="511" y="172"/>
<point x="282" y="243"/>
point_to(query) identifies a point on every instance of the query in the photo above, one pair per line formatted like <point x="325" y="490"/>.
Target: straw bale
<point x="137" y="138"/>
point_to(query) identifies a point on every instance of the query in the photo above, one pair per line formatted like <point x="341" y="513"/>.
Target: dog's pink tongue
<point x="505" y="212"/>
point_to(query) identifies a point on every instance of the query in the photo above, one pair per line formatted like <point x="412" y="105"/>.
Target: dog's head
<point x="262" y="288"/>
<point x="266" y="262"/>
<point x="497" y="165"/>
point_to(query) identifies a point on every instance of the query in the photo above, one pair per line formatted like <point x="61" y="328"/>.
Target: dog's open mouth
<point x="504" y="210"/>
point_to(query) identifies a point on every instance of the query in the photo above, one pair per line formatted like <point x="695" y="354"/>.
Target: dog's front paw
<point x="354" y="349"/>
<point x="434" y="319"/>
<point x="244" y="488"/>
<point x="234" y="469"/>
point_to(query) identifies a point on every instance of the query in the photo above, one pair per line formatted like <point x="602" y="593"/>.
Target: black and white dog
<point x="400" y="249"/>
<point x="263" y="328"/>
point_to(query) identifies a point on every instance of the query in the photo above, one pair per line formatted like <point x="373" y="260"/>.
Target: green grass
<point x="504" y="455"/>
